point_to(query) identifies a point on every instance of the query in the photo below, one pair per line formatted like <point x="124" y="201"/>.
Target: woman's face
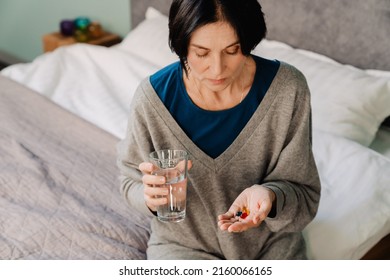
<point x="214" y="55"/>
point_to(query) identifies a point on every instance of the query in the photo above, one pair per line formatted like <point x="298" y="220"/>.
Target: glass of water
<point x="172" y="164"/>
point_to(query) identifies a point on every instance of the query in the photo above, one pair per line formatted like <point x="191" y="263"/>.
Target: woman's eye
<point x="201" y="55"/>
<point x="232" y="51"/>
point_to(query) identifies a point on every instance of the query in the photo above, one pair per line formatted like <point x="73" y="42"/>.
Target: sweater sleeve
<point x="294" y="178"/>
<point x="133" y="150"/>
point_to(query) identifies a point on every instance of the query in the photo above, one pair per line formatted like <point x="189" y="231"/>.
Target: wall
<point x="24" y="22"/>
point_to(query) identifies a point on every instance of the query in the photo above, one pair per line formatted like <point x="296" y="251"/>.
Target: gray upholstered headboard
<point x="138" y="8"/>
<point x="355" y="32"/>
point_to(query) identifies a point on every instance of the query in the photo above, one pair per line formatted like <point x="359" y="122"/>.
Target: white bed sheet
<point x="97" y="84"/>
<point x="94" y="82"/>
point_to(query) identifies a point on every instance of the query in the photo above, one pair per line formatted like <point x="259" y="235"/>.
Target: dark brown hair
<point x="185" y="16"/>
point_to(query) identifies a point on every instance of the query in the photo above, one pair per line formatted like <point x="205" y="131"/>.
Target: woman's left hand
<point x="257" y="199"/>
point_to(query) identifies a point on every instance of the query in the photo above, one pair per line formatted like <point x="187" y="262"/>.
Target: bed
<point x="63" y="114"/>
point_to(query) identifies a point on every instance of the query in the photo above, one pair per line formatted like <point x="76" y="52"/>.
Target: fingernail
<point x="150" y="166"/>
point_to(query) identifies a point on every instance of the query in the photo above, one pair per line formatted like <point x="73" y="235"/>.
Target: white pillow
<point x="346" y="101"/>
<point x="354" y="209"/>
<point x="149" y="39"/>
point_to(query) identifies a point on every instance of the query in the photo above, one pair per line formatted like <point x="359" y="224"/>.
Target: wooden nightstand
<point x="54" y="40"/>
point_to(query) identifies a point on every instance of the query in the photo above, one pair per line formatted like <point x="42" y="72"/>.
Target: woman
<point x="245" y="122"/>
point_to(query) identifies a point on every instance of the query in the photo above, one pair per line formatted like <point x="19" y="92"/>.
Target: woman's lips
<point x="217" y="82"/>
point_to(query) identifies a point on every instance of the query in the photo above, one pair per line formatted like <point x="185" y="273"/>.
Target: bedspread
<point x="59" y="196"/>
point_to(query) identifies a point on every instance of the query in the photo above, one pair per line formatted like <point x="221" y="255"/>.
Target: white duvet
<point x="97" y="84"/>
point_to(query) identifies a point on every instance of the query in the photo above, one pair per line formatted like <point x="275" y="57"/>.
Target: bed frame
<point x="322" y="27"/>
<point x="354" y="32"/>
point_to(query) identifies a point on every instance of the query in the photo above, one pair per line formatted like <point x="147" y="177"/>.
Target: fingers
<point x="153" y="180"/>
<point x="155" y="191"/>
<point x="231" y="213"/>
<point x="225" y="216"/>
<point x="181" y="165"/>
<point x="155" y="196"/>
<point x="232" y="222"/>
<point x="189" y="164"/>
<point x="153" y="202"/>
<point x="235" y="225"/>
<point x="240" y="227"/>
<point x="224" y="221"/>
<point x="262" y="213"/>
<point x="147" y="179"/>
<point x="147" y="167"/>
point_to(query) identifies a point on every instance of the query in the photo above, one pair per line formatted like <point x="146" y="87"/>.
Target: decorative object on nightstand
<point x="81" y="30"/>
<point x="67" y="27"/>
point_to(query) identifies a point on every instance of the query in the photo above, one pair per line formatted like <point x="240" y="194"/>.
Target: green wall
<point x="24" y="22"/>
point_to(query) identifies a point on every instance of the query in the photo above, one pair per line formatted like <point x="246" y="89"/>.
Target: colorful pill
<point x="245" y="212"/>
<point x="243" y="215"/>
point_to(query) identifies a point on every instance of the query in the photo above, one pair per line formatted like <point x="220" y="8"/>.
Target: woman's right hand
<point x="154" y="197"/>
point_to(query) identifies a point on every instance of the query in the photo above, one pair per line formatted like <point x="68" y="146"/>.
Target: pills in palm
<point x="244" y="213"/>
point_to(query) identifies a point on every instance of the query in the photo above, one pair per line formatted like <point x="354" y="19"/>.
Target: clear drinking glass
<point x="172" y="164"/>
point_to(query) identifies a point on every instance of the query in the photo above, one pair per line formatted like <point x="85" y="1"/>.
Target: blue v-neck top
<point x="212" y="131"/>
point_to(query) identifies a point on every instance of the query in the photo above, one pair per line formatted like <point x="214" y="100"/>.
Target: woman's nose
<point x="216" y="66"/>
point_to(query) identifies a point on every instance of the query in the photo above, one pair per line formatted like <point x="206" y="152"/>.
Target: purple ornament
<point x="67" y="27"/>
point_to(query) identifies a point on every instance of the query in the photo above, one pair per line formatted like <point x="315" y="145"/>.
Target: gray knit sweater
<point x="273" y="149"/>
